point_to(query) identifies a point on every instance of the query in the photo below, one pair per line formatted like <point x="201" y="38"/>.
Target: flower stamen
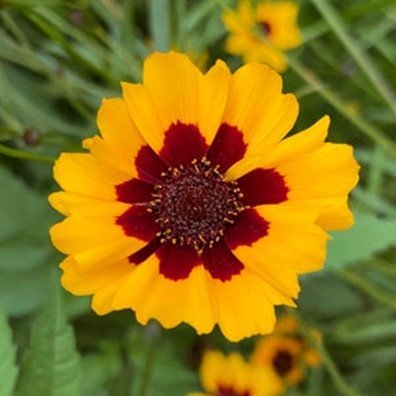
<point x="194" y="204"/>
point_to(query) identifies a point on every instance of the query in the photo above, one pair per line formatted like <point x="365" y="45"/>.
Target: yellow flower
<point x="264" y="32"/>
<point x="287" y="351"/>
<point x="232" y="376"/>
<point x="191" y="208"/>
<point x="283" y="355"/>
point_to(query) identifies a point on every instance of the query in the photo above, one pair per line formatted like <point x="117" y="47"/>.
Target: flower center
<point x="283" y="362"/>
<point x="228" y="391"/>
<point x="265" y="28"/>
<point x="193" y="204"/>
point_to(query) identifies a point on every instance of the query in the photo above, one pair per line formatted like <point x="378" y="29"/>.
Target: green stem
<point x="340" y="105"/>
<point x="339" y="381"/>
<point x="151" y="330"/>
<point x="360" y="57"/>
<point x="9" y="152"/>
<point x="367" y="287"/>
<point x="383" y="266"/>
<point x="342" y="385"/>
<point x="375" y="173"/>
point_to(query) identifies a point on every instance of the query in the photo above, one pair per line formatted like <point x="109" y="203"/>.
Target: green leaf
<point x="25" y="291"/>
<point x="8" y="369"/>
<point x="51" y="365"/>
<point x="26" y="255"/>
<point x="369" y="236"/>
<point x="160" y="23"/>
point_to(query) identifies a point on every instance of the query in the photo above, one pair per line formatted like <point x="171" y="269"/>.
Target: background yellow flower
<point x="231" y="375"/>
<point x="263" y="32"/>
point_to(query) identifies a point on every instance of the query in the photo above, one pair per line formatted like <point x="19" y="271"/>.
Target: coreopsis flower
<point x="262" y="33"/>
<point x="287" y="351"/>
<point x="232" y="376"/>
<point x="191" y="208"/>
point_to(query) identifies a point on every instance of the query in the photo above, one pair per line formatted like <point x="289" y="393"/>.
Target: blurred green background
<point x="58" y="59"/>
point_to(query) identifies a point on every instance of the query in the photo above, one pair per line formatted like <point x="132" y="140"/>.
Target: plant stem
<point x="361" y="58"/>
<point x="10" y="152"/>
<point x="339" y="381"/>
<point x="369" y="288"/>
<point x="339" y="104"/>
<point x="375" y="173"/>
<point x="152" y="331"/>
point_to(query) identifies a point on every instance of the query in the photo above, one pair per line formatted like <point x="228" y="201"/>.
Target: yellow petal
<point x="287" y="150"/>
<point x="83" y="174"/>
<point x="83" y="282"/>
<point x="151" y="295"/>
<point x="121" y="140"/>
<point x="77" y="234"/>
<point x="257" y="107"/>
<point x="191" y="98"/>
<point x="214" y="87"/>
<point x="80" y="205"/>
<point x="242" y="316"/>
<point x="294" y="244"/>
<point x="322" y="179"/>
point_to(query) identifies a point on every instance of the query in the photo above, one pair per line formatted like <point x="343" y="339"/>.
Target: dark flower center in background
<point x="283" y="362"/>
<point x="228" y="391"/>
<point x="193" y="204"/>
<point x="265" y="28"/>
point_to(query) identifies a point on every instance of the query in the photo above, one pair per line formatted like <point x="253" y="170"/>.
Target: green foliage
<point x="51" y="364"/>
<point x="8" y="369"/>
<point x="160" y="23"/>
<point x="26" y="255"/>
<point x="370" y="235"/>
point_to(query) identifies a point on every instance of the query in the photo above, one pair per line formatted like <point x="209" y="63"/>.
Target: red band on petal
<point x="137" y="222"/>
<point x="229" y="391"/>
<point x="145" y="252"/>
<point x="176" y="262"/>
<point x="263" y="186"/>
<point x="134" y="191"/>
<point x="227" y="147"/>
<point x="220" y="262"/>
<point x="182" y="144"/>
<point x="248" y="228"/>
<point x="149" y="165"/>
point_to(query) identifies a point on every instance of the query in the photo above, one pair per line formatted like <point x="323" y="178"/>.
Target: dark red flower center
<point x="283" y="362"/>
<point x="186" y="210"/>
<point x="193" y="204"/>
<point x="265" y="28"/>
<point x="229" y="391"/>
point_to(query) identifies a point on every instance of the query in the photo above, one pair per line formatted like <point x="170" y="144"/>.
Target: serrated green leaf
<point x="369" y="236"/>
<point x="51" y="365"/>
<point x="24" y="291"/>
<point x="8" y="369"/>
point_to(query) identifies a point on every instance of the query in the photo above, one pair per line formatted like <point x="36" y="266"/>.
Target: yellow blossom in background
<point x="264" y="32"/>
<point x="232" y="376"/>
<point x="192" y="206"/>
<point x="287" y="351"/>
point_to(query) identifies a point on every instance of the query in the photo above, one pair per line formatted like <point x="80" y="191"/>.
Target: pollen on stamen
<point x="194" y="204"/>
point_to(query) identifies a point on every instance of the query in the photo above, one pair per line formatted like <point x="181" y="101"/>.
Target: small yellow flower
<point x="192" y="206"/>
<point x="287" y="351"/>
<point x="232" y="376"/>
<point x="263" y="33"/>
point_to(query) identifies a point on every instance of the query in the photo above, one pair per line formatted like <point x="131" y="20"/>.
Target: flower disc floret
<point x="193" y="204"/>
